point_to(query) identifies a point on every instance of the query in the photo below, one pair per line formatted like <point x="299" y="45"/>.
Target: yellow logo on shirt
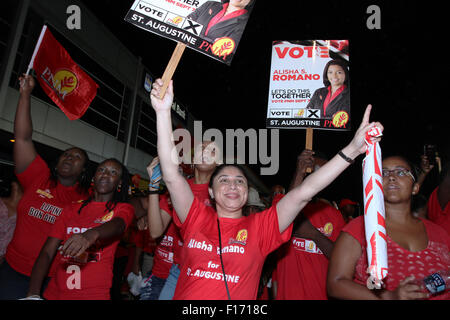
<point x="107" y="217"/>
<point x="242" y="235"/>
<point x="328" y="229"/>
<point x="45" y="193"/>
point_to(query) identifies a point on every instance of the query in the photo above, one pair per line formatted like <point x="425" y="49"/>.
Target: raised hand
<point x="358" y="143"/>
<point x="27" y="84"/>
<point x="304" y="161"/>
<point x="164" y="104"/>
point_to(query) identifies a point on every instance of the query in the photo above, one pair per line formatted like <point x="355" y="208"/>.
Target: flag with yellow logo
<point x="61" y="78"/>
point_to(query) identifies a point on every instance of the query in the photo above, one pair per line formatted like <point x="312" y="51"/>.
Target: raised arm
<point x="24" y="151"/>
<point x="297" y="198"/>
<point x="180" y="192"/>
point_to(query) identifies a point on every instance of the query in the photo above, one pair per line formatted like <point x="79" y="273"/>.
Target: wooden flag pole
<point x="309" y="143"/>
<point x="171" y="66"/>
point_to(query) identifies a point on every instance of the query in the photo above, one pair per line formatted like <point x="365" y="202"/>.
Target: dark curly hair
<point x="84" y="180"/>
<point x="120" y="194"/>
<point x="221" y="167"/>
<point x="336" y="62"/>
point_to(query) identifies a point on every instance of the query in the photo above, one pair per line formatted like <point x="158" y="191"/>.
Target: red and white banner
<point x="374" y="215"/>
<point x="61" y="78"/>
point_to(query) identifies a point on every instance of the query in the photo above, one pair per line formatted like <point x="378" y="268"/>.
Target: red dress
<point x="436" y="214"/>
<point x="401" y="262"/>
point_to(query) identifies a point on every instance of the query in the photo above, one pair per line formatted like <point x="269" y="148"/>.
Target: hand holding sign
<point x="161" y="99"/>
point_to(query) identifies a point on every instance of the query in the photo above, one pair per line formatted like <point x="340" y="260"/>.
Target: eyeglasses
<point x="398" y="173"/>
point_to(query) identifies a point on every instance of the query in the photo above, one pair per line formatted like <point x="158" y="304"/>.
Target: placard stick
<point x="171" y="66"/>
<point x="309" y="143"/>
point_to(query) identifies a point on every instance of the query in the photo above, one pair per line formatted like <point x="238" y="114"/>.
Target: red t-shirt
<point x="163" y="259"/>
<point x="40" y="207"/>
<point x="436" y="214"/>
<point x="401" y="262"/>
<point x="144" y="241"/>
<point x="201" y="192"/>
<point x="92" y="280"/>
<point x="245" y="244"/>
<point x="302" y="267"/>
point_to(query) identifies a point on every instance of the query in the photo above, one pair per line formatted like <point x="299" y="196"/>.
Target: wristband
<point x="153" y="191"/>
<point x="343" y="156"/>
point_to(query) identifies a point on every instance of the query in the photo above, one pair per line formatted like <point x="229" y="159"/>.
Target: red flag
<point x="61" y="78"/>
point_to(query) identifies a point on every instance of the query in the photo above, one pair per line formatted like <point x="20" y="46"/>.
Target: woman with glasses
<point x="416" y="247"/>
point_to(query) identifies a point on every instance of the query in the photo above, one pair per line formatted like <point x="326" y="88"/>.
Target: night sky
<point x="401" y="69"/>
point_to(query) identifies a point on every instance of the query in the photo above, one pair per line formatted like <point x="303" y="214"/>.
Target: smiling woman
<point x="44" y="187"/>
<point x="209" y="231"/>
<point x="87" y="235"/>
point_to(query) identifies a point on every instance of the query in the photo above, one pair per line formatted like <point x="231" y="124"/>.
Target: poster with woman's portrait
<point x="211" y="27"/>
<point x="309" y="85"/>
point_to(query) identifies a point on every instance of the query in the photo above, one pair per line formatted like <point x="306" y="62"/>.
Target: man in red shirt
<point x="303" y="262"/>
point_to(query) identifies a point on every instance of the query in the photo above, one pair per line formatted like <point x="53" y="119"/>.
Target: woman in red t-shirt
<point x="224" y="250"/>
<point x="416" y="247"/>
<point x="86" y="237"/>
<point x="160" y="214"/>
<point x="46" y="191"/>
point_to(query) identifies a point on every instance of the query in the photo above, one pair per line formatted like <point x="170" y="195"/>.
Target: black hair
<point x="221" y="167"/>
<point x="336" y="62"/>
<point x="418" y="201"/>
<point x="413" y="167"/>
<point x="216" y="173"/>
<point x="84" y="179"/>
<point x="120" y="194"/>
<point x="445" y="172"/>
<point x="5" y="184"/>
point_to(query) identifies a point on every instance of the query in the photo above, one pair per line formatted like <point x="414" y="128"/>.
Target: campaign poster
<point x="211" y="27"/>
<point x="309" y="85"/>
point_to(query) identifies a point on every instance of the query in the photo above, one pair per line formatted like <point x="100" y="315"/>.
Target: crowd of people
<point x="69" y="231"/>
